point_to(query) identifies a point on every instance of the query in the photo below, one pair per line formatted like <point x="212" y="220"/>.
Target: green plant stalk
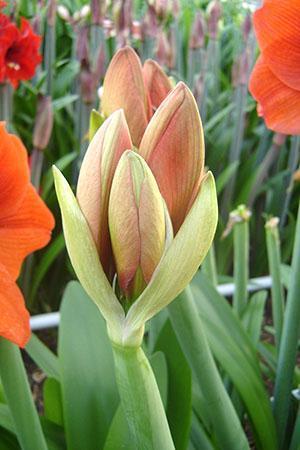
<point x="6" y="103"/>
<point x="189" y="331"/>
<point x="296" y="433"/>
<point x="241" y="265"/>
<point x="209" y="266"/>
<point x="19" y="398"/>
<point x="236" y="143"/>
<point x="141" y="400"/>
<point x="292" y="166"/>
<point x="274" y="258"/>
<point x="288" y="344"/>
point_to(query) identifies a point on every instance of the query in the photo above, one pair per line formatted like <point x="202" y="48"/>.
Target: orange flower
<point x="136" y="89"/>
<point x="275" y="80"/>
<point x="25" y="226"/>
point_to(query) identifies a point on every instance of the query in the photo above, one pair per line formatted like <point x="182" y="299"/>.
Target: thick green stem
<point x="241" y="258"/>
<point x="141" y="400"/>
<point x="19" y="398"/>
<point x="189" y="331"/>
<point x="288" y="344"/>
<point x="274" y="258"/>
<point x="6" y="95"/>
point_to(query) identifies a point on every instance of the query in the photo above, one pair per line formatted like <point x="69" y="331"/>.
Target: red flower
<point x="275" y="80"/>
<point x="19" y="51"/>
<point x="25" y="226"/>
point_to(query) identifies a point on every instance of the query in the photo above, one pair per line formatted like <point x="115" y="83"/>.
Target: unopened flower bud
<point x="63" y="13"/>
<point x="136" y="224"/>
<point x="198" y="32"/>
<point x="44" y="123"/>
<point x="214" y="10"/>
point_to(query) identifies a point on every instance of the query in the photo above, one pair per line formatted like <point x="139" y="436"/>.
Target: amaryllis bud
<point x="136" y="224"/>
<point x="43" y="123"/>
<point x="246" y="27"/>
<point x="95" y="179"/>
<point x="197" y="38"/>
<point x="157" y="82"/>
<point x="124" y="88"/>
<point x="173" y="147"/>
<point x="214" y="10"/>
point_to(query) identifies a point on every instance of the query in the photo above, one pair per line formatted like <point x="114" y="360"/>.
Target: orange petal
<point x="14" y="172"/>
<point x="277" y="26"/>
<point x="14" y="317"/>
<point x="157" y="83"/>
<point x="27" y="229"/>
<point x="173" y="147"/>
<point x="124" y="88"/>
<point x="279" y="104"/>
<point x="95" y="179"/>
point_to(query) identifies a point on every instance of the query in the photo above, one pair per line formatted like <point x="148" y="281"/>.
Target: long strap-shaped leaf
<point x="19" y="398"/>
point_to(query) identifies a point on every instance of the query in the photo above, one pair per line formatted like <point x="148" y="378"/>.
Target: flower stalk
<point x="274" y="258"/>
<point x="141" y="399"/>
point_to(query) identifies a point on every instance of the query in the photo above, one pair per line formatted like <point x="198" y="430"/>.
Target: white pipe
<point x="51" y="320"/>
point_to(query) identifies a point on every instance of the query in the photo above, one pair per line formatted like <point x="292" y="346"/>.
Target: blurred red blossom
<point x="19" y="51"/>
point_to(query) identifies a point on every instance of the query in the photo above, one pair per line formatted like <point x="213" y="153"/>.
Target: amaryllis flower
<point x="275" y="80"/>
<point x="144" y="217"/>
<point x="136" y="89"/>
<point x="25" y="226"/>
<point x="19" y="51"/>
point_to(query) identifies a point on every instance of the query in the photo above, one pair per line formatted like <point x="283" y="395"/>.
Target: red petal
<point x="14" y="317"/>
<point x="14" y="172"/>
<point x="27" y="229"/>
<point x="279" y="104"/>
<point x="277" y="26"/>
<point x="157" y="82"/>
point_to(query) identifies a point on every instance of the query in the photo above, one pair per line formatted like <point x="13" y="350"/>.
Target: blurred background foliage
<point x="209" y="45"/>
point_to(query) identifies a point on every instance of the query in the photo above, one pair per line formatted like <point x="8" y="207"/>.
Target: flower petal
<point x="95" y="179"/>
<point x="14" y="172"/>
<point x="180" y="261"/>
<point x="278" y="103"/>
<point x="173" y="147"/>
<point x="124" y="88"/>
<point x="14" y="317"/>
<point x="28" y="229"/>
<point x="277" y="26"/>
<point x="157" y="83"/>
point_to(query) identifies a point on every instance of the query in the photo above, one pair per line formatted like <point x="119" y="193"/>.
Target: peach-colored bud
<point x="173" y="147"/>
<point x="197" y="38"/>
<point x="214" y="10"/>
<point x="95" y="179"/>
<point x="44" y="122"/>
<point x="124" y="88"/>
<point x="136" y="224"/>
<point x="157" y="83"/>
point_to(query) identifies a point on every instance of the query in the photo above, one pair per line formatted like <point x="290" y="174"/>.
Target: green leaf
<point x="40" y="270"/>
<point x="236" y="354"/>
<point x="43" y="357"/>
<point x="179" y="405"/>
<point x="254" y="314"/>
<point x="89" y="391"/>
<point x="61" y="163"/>
<point x="225" y="176"/>
<point x="53" y="401"/>
<point x="63" y="102"/>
